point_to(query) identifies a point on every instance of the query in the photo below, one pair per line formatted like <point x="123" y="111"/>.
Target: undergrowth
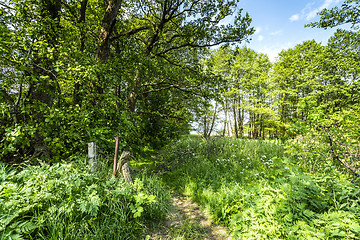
<point x="256" y="190"/>
<point x="66" y="201"/>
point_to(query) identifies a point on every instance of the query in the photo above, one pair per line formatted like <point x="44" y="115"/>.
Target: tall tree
<point x="349" y="12"/>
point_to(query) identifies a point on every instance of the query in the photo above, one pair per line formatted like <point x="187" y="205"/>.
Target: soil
<point x="187" y="221"/>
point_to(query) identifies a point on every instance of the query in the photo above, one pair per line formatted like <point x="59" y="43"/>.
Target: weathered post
<point x="116" y="155"/>
<point x="92" y="156"/>
<point x="123" y="166"/>
<point x="126" y="172"/>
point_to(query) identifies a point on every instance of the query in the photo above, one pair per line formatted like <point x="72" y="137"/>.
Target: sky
<point x="280" y="24"/>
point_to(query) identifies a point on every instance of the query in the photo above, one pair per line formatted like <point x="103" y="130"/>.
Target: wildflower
<point x="286" y="168"/>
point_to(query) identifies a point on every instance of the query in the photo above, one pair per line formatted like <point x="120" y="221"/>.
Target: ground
<point x="187" y="221"/>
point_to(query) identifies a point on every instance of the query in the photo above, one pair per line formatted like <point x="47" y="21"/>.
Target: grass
<point x="250" y="186"/>
<point x="66" y="201"/>
<point x="259" y="192"/>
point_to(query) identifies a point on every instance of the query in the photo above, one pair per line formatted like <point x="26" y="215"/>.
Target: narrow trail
<point x="187" y="221"/>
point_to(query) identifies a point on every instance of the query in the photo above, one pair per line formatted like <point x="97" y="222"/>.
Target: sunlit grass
<point x="67" y="201"/>
<point x="252" y="187"/>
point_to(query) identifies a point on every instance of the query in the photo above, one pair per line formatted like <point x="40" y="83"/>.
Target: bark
<point x="240" y="120"/>
<point x="132" y="99"/>
<point x="107" y="27"/>
<point x="225" y="121"/>
<point x="43" y="90"/>
<point x="81" y="21"/>
<point x="126" y="172"/>
<point x="205" y="126"/>
<point x="133" y="95"/>
<point x="235" y="122"/>
<point x="116" y="156"/>
<point x="213" y="121"/>
<point x="123" y="166"/>
<point x="251" y="119"/>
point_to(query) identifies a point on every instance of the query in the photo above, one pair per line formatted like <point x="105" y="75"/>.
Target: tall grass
<point x="66" y="201"/>
<point x="260" y="193"/>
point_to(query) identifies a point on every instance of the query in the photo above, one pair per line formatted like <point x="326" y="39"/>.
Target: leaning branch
<point x="193" y="45"/>
<point x="336" y="157"/>
<point x="130" y="32"/>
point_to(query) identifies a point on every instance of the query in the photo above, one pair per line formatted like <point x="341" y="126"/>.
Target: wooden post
<point x="123" y="166"/>
<point x="92" y="156"/>
<point x="116" y="155"/>
<point x="126" y="172"/>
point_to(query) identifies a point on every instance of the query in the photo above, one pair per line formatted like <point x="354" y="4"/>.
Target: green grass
<point x="66" y="201"/>
<point x="256" y="190"/>
<point x="251" y="186"/>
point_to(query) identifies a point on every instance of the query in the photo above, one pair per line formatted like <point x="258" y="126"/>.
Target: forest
<point x="277" y="149"/>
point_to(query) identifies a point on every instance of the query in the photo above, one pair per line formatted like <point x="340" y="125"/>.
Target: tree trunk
<point x="225" y="121"/>
<point x="235" y="123"/>
<point x="107" y="27"/>
<point x="213" y="121"/>
<point x="123" y="166"/>
<point x="133" y="95"/>
<point x="239" y="119"/>
<point x="81" y="21"/>
<point x="42" y="90"/>
<point x="205" y="126"/>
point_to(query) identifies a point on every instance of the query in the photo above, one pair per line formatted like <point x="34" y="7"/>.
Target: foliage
<point x="66" y="201"/>
<point x="245" y="92"/>
<point x="261" y="193"/>
<point x="347" y="13"/>
<point x="79" y="71"/>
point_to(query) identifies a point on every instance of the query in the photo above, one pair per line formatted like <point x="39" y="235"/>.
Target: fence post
<point x="116" y="155"/>
<point x="92" y="156"/>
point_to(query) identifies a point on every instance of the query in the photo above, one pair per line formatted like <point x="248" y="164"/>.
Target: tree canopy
<point x="79" y="71"/>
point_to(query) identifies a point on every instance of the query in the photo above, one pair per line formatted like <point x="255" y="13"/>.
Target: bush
<point x="66" y="201"/>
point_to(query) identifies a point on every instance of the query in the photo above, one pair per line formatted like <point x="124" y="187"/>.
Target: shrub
<point x="66" y="201"/>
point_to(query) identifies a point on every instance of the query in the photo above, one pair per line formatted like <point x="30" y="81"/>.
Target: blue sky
<point x="280" y="24"/>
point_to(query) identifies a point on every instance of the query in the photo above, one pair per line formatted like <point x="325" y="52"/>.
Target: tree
<point x="85" y="70"/>
<point x="349" y="12"/>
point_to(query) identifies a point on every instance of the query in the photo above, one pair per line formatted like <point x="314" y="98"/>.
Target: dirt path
<point x="187" y="221"/>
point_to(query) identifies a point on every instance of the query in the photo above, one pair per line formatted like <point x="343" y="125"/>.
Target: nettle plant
<point x="66" y="201"/>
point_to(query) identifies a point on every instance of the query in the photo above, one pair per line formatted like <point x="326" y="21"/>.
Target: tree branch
<point x="189" y="44"/>
<point x="130" y="32"/>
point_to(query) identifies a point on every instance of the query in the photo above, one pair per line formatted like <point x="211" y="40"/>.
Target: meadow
<point x="258" y="189"/>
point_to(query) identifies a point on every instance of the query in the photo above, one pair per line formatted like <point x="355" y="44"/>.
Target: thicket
<point x="261" y="192"/>
<point x="72" y="72"/>
<point x="66" y="201"/>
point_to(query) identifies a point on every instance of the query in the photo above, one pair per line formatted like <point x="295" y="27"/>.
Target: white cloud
<point x="278" y="32"/>
<point x="260" y="38"/>
<point x="257" y="30"/>
<point x="310" y="11"/>
<point x="272" y="53"/>
<point x="326" y="4"/>
<point x="294" y="18"/>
